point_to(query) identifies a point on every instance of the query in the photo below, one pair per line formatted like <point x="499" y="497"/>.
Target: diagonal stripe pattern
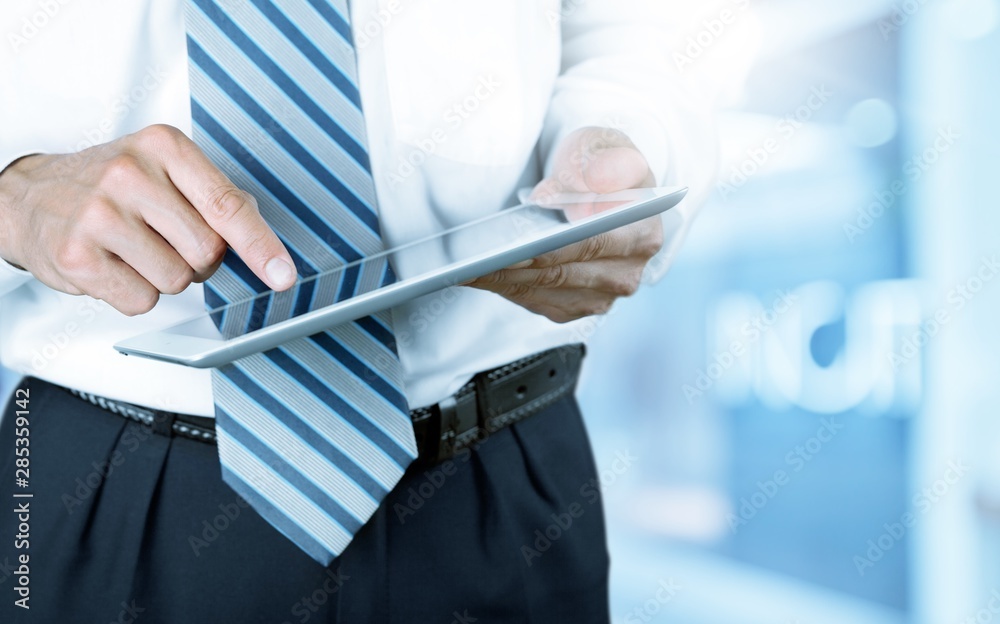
<point x="315" y="433"/>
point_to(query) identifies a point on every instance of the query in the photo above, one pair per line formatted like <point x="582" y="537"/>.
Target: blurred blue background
<point x="798" y="424"/>
<point x="809" y="397"/>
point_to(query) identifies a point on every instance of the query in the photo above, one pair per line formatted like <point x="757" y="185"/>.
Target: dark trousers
<point x="127" y="525"/>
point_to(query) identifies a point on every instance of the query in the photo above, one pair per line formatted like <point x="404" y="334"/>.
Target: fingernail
<point x="280" y="273"/>
<point x="524" y="264"/>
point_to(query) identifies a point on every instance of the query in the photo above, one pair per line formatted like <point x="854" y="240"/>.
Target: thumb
<point x="616" y="169"/>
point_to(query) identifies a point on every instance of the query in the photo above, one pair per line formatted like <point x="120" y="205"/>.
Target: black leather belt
<point x="495" y="399"/>
<point x="490" y="401"/>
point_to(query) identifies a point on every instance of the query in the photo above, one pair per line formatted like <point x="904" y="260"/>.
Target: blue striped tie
<point x="315" y="433"/>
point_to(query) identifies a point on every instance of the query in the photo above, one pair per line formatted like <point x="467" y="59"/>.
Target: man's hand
<point x="126" y="221"/>
<point x="585" y="278"/>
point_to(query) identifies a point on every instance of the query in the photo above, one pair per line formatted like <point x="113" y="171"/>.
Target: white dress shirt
<point x="464" y="101"/>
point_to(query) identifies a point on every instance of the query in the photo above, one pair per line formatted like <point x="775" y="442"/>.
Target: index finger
<point x="588" y="249"/>
<point x="232" y="213"/>
<point x="622" y="242"/>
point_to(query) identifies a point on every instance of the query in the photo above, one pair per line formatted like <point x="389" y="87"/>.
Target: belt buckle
<point x="460" y="420"/>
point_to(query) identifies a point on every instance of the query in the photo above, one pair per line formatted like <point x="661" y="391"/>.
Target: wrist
<point x="13" y="188"/>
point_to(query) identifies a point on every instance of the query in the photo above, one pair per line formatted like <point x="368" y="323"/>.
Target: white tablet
<point x="218" y="337"/>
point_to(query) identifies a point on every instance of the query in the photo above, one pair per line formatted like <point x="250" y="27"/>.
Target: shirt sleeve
<point x="616" y="72"/>
<point x="67" y="86"/>
<point x="11" y="277"/>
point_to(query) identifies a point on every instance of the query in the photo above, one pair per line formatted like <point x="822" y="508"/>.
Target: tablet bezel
<point x="200" y="352"/>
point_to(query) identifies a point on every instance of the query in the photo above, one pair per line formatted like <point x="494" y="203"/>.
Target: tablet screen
<point x="360" y="289"/>
<point x="506" y="228"/>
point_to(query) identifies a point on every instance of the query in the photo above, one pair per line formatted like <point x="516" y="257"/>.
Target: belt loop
<point x="449" y="428"/>
<point x="483" y="407"/>
<point x="163" y="423"/>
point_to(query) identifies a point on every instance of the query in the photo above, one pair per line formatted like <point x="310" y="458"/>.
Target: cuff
<point x="12" y="277"/>
<point x="650" y="135"/>
<point x="7" y="158"/>
<point x="645" y="129"/>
